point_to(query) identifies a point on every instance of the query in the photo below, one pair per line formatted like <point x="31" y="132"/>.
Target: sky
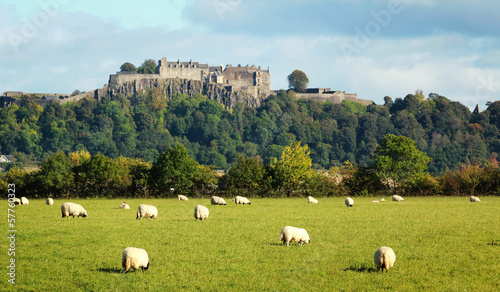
<point x="372" y="48"/>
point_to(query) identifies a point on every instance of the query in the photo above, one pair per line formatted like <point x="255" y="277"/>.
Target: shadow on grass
<point x="110" y="270"/>
<point x="361" y="268"/>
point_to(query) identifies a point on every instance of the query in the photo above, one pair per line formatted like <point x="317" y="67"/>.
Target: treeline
<point x="82" y="175"/>
<point x="145" y="126"/>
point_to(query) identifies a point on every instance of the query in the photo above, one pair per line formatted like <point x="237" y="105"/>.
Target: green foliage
<point x="396" y="160"/>
<point x="147" y="67"/>
<point x="173" y="171"/>
<point x="147" y="124"/>
<point x="297" y="81"/>
<point x="56" y="176"/>
<point x="293" y="168"/>
<point x="128" y="67"/>
<point x="247" y="176"/>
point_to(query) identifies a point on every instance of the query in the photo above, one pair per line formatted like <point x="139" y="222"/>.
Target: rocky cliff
<point x="171" y="87"/>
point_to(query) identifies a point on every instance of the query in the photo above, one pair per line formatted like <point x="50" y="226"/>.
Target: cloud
<point x="422" y="47"/>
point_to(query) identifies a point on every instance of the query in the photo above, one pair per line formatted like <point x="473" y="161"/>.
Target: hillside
<point x="146" y="125"/>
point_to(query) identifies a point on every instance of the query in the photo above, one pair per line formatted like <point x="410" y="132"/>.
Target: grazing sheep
<point x="124" y="205"/>
<point x="182" y="198"/>
<point x="72" y="209"/>
<point x="349" y="202"/>
<point x="312" y="200"/>
<point x="382" y="200"/>
<point x="384" y="258"/>
<point x="217" y="201"/>
<point x="24" y="201"/>
<point x="200" y="212"/>
<point x="49" y="201"/>
<point x="474" y="199"/>
<point x="145" y="211"/>
<point x="294" y="234"/>
<point x="241" y="200"/>
<point x="375" y="201"/>
<point x="17" y="201"/>
<point x="135" y="258"/>
<point x="397" y="198"/>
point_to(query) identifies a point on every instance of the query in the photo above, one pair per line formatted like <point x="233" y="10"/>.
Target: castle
<point x="248" y="79"/>
<point x="228" y="85"/>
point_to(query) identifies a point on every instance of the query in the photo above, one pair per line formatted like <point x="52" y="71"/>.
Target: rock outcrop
<point x="170" y="87"/>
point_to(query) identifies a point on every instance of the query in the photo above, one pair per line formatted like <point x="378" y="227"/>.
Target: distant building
<point x="326" y="94"/>
<point x="249" y="79"/>
<point x="6" y="158"/>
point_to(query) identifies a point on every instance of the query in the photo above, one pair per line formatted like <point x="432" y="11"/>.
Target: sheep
<point x="24" y="201"/>
<point x="145" y="211"/>
<point x="124" y="205"/>
<point x="397" y="198"/>
<point x="72" y="209"/>
<point x="200" y="212"/>
<point x="241" y="200"/>
<point x="294" y="234"/>
<point x="349" y="202"/>
<point x="49" y="201"/>
<point x="382" y="200"/>
<point x="375" y="201"/>
<point x="384" y="258"/>
<point x="312" y="200"/>
<point x="182" y="198"/>
<point x="474" y="199"/>
<point x="217" y="201"/>
<point x="17" y="201"/>
<point x="135" y="258"/>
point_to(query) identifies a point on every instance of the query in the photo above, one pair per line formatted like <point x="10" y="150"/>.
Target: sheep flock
<point x="135" y="258"/>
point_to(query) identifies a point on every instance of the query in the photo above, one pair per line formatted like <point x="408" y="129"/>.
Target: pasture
<point x="440" y="244"/>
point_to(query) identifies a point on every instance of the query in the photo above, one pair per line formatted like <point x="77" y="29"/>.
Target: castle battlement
<point x="249" y="79"/>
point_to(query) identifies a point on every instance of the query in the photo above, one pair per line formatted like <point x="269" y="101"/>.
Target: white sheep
<point x="145" y="211"/>
<point x="217" y="200"/>
<point x="182" y="198"/>
<point x="397" y="198"/>
<point x="241" y="200"/>
<point x="124" y="205"/>
<point x="17" y="201"/>
<point x="135" y="258"/>
<point x="349" y="202"/>
<point x="72" y="209"/>
<point x="375" y="201"/>
<point x="200" y="212"/>
<point x="24" y="201"/>
<point x="294" y="234"/>
<point x="384" y="258"/>
<point x="312" y="200"/>
<point x="382" y="200"/>
<point x="49" y="201"/>
<point x="474" y="199"/>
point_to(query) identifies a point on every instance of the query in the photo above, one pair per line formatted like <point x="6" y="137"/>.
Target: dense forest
<point x="147" y="125"/>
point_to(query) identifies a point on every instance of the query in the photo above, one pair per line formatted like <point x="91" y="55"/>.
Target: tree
<point x="76" y="92"/>
<point x="174" y="169"/>
<point x="245" y="176"/>
<point x="128" y="67"/>
<point x="56" y="175"/>
<point x="397" y="160"/>
<point x="148" y="67"/>
<point x="293" y="168"/>
<point x="298" y="81"/>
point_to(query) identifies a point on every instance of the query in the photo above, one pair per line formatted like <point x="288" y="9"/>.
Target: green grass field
<point x="441" y="244"/>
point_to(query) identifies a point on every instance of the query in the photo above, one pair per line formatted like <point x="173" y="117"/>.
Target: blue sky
<point x="374" y="48"/>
